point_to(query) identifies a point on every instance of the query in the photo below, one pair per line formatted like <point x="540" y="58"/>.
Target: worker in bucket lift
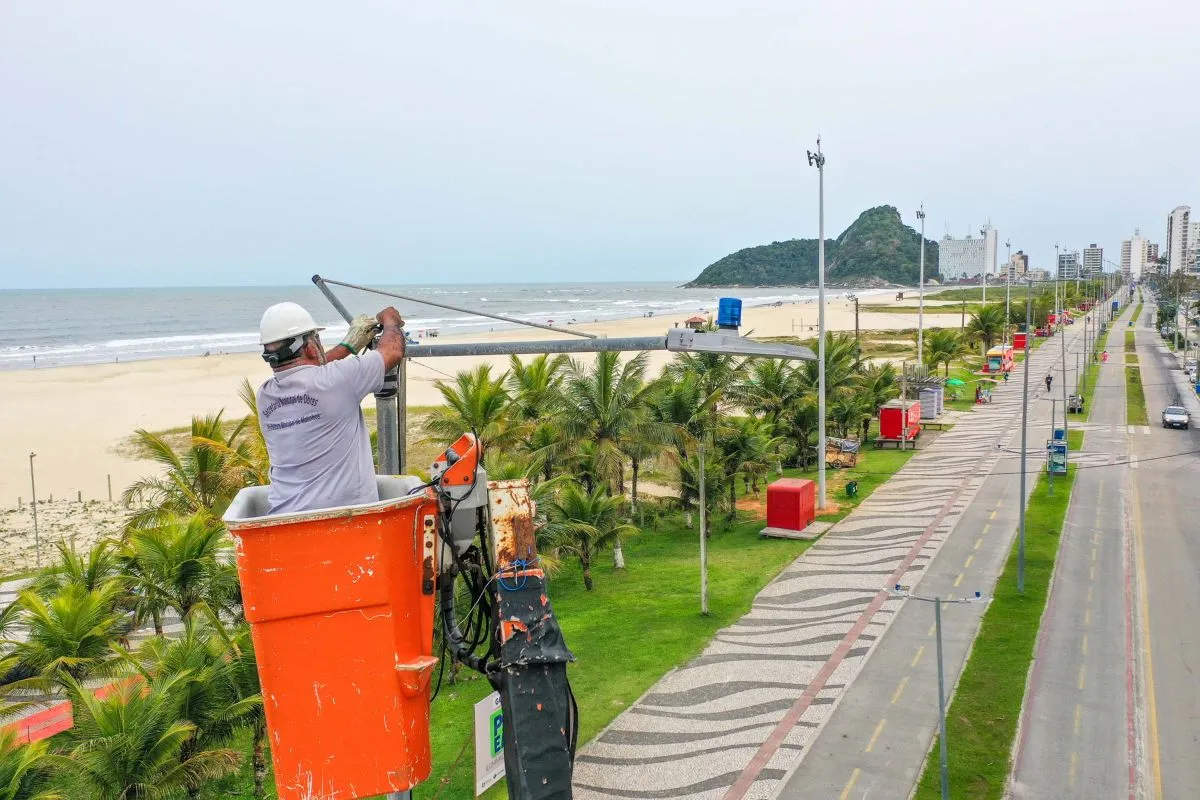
<point x="310" y="410"/>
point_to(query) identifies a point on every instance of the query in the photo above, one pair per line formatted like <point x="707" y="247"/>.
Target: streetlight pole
<point x="817" y="159"/>
<point x="921" y="294"/>
<point x="1024" y="436"/>
<point x="703" y="531"/>
<point x="944" y="755"/>
<point x="983" y="276"/>
<point x="1008" y="291"/>
<point x="37" y="543"/>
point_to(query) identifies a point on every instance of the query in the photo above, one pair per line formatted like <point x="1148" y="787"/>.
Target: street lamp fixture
<point x="921" y="294"/>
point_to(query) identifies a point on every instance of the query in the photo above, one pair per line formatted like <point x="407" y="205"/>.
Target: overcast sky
<point x="215" y="143"/>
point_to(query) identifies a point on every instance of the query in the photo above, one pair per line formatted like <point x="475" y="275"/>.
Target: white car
<point x="1176" y="417"/>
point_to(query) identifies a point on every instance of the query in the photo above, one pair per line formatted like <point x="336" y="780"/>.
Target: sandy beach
<point x="77" y="418"/>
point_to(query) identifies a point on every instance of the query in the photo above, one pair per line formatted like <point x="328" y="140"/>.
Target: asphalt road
<point x="875" y="743"/>
<point x="1077" y="724"/>
<point x="1166" y="525"/>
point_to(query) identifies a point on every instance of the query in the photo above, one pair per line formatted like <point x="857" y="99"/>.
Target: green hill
<point x="876" y="250"/>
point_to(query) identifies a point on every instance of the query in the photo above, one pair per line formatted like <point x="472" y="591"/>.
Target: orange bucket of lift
<point x="340" y="605"/>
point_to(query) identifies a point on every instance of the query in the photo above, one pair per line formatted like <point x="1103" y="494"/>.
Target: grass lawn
<point x="1074" y="440"/>
<point x="982" y="718"/>
<point x="1135" y="398"/>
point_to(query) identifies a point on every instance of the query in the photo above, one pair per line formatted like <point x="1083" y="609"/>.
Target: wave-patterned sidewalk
<point x="732" y="721"/>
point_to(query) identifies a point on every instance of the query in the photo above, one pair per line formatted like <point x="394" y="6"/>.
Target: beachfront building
<point x="1069" y="268"/>
<point x="1135" y="255"/>
<point x="1016" y="267"/>
<point x="970" y="257"/>
<point x="1177" y="238"/>
<point x="1093" y="261"/>
<point x="1193" y="255"/>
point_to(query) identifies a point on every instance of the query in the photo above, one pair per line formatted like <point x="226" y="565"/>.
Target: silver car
<point x="1176" y="417"/>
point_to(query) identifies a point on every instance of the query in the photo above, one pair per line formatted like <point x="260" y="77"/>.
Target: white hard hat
<point x="285" y="321"/>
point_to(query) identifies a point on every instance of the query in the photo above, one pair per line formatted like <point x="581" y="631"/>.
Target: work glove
<point x="362" y="331"/>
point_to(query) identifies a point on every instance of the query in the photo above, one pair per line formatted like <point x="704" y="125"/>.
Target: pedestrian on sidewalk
<point x="1049" y="381"/>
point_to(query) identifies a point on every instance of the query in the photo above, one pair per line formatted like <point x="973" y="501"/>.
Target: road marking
<point x="993" y="516"/>
<point x="1092" y="573"/>
<point x="899" y="690"/>
<point x="978" y="542"/>
<point x="1082" y="674"/>
<point x="969" y="560"/>
<point x="932" y="628"/>
<point x="1000" y="502"/>
<point x="849" y="785"/>
<point x="958" y="580"/>
<point x="1130" y="431"/>
<point x="1089" y="595"/>
<point x="986" y="526"/>
<point x="1146" y="429"/>
<point x="917" y="657"/>
<point x="1083" y="645"/>
<point x="1093" y="554"/>
<point x="1133" y="462"/>
<point x="1144" y="603"/>
<point x="875" y="735"/>
<point x="1078" y="716"/>
<point x="1071" y="772"/>
<point x="1087" y="618"/>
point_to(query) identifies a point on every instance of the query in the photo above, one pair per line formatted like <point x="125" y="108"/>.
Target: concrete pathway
<point x="733" y="722"/>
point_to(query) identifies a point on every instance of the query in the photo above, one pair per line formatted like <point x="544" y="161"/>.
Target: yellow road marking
<point x="1087" y="617"/>
<point x="1093" y="554"/>
<point x="917" y="657"/>
<point x="875" y="735"/>
<point x="899" y="690"/>
<point x="1151" y="702"/>
<point x="1082" y="676"/>
<point x="969" y="560"/>
<point x="986" y="527"/>
<point x="958" y="580"/>
<point x="1083" y="645"/>
<point x="978" y="542"/>
<point x="1092" y="573"/>
<point x="993" y="516"/>
<point x="1078" y="716"/>
<point x="932" y="628"/>
<point x="849" y="785"/>
<point x="1071" y="772"/>
<point x="1089" y="595"/>
<point x="1000" y="502"/>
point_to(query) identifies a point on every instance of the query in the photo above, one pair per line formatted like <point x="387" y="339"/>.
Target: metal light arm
<point x="677" y="340"/>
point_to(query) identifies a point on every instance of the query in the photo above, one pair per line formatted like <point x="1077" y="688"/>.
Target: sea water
<point x="45" y="328"/>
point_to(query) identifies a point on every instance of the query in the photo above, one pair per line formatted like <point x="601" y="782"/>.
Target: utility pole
<point x="1066" y="424"/>
<point x="962" y="324"/>
<point x="983" y="276"/>
<point x="1008" y="270"/>
<point x="703" y="531"/>
<point x="818" y="160"/>
<point x="854" y="297"/>
<point x="1024" y="436"/>
<point x="921" y="293"/>
<point x="37" y="543"/>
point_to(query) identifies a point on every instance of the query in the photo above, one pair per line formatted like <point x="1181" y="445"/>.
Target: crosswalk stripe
<point x="1130" y="430"/>
<point x="1146" y="429"/>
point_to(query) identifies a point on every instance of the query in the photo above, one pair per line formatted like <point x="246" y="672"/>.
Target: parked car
<point x="1176" y="417"/>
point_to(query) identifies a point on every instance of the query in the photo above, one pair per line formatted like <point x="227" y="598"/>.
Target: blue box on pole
<point x="729" y="313"/>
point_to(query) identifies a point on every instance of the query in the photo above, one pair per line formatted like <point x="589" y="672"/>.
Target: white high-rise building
<point x="969" y="257"/>
<point x="1193" y="260"/>
<point x="1135" y="255"/>
<point x="1093" y="261"/>
<point x="1177" y="238"/>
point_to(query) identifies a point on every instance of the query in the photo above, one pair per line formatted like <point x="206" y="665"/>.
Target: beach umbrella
<point x="955" y="382"/>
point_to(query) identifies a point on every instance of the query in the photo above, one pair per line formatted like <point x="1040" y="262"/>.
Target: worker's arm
<point x="391" y="341"/>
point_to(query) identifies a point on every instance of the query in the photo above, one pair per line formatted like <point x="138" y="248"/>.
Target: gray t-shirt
<point x="320" y="449"/>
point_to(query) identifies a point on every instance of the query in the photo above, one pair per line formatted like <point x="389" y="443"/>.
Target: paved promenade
<point x="735" y="720"/>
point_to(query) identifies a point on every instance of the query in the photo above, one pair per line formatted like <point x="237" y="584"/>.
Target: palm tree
<point x="847" y="411"/>
<point x="245" y="461"/>
<point x="196" y="479"/>
<point x="180" y="564"/>
<point x="765" y="391"/>
<point x="878" y="383"/>
<point x="716" y="374"/>
<point x="69" y="636"/>
<point x="582" y="524"/>
<point x="97" y="567"/>
<point x="129" y="745"/>
<point x="681" y="403"/>
<point x="744" y="447"/>
<point x="942" y="346"/>
<point x="535" y="389"/>
<point x="476" y="402"/>
<point x="211" y="696"/>
<point x="986" y="325"/>
<point x="23" y="769"/>
<point x="801" y="419"/>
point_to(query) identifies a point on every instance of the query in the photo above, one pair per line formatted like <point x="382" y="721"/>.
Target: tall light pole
<point x="1008" y="291"/>
<point x="983" y="275"/>
<point x="1024" y="437"/>
<point x="37" y="544"/>
<point x="818" y="160"/>
<point x="921" y="294"/>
